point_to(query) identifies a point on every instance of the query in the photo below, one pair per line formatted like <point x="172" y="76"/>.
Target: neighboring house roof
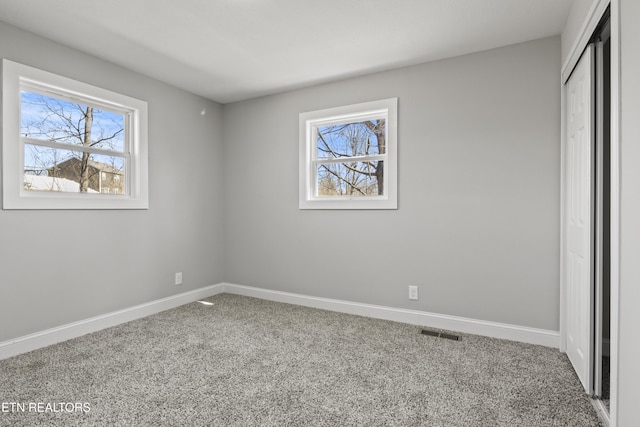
<point x="49" y="183"/>
<point x="103" y="167"/>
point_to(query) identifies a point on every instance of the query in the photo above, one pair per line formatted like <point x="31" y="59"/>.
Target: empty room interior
<point x="261" y="212"/>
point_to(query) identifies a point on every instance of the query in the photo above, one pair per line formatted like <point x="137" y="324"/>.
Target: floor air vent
<point x="440" y="335"/>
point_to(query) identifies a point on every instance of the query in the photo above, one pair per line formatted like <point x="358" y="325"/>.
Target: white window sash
<point x="72" y="147"/>
<point x="354" y="159"/>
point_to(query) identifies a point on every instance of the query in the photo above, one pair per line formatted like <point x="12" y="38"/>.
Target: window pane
<point x="52" y="119"/>
<point x="351" y="139"/>
<point x="51" y="169"/>
<point x="350" y="179"/>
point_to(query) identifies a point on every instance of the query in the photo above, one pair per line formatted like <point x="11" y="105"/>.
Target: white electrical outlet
<point x="413" y="293"/>
<point x="179" y="278"/>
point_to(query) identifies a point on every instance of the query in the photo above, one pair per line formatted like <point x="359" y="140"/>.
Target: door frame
<point x="595" y="14"/>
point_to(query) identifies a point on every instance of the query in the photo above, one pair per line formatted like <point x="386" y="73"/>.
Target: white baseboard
<point x="432" y="320"/>
<point x="58" y="334"/>
<point x="30" y="342"/>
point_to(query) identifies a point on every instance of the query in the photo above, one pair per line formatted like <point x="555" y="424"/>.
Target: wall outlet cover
<point x="413" y="293"/>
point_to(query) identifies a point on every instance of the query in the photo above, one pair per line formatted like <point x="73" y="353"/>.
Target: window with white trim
<point x="348" y="157"/>
<point x="70" y="145"/>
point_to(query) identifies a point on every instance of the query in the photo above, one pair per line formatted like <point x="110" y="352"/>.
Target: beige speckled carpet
<point x="246" y="362"/>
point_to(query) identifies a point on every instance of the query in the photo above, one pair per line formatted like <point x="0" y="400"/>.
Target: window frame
<point x="310" y="121"/>
<point x="17" y="77"/>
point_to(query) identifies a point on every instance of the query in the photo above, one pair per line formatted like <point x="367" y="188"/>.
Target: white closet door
<point x="579" y="217"/>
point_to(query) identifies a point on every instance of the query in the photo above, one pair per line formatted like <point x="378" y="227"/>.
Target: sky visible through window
<point x="347" y="140"/>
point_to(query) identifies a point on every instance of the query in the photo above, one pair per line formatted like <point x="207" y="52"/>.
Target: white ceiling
<point x="229" y="50"/>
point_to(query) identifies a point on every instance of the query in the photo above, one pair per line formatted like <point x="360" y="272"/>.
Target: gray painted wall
<point x="477" y="227"/>
<point x="58" y="267"/>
